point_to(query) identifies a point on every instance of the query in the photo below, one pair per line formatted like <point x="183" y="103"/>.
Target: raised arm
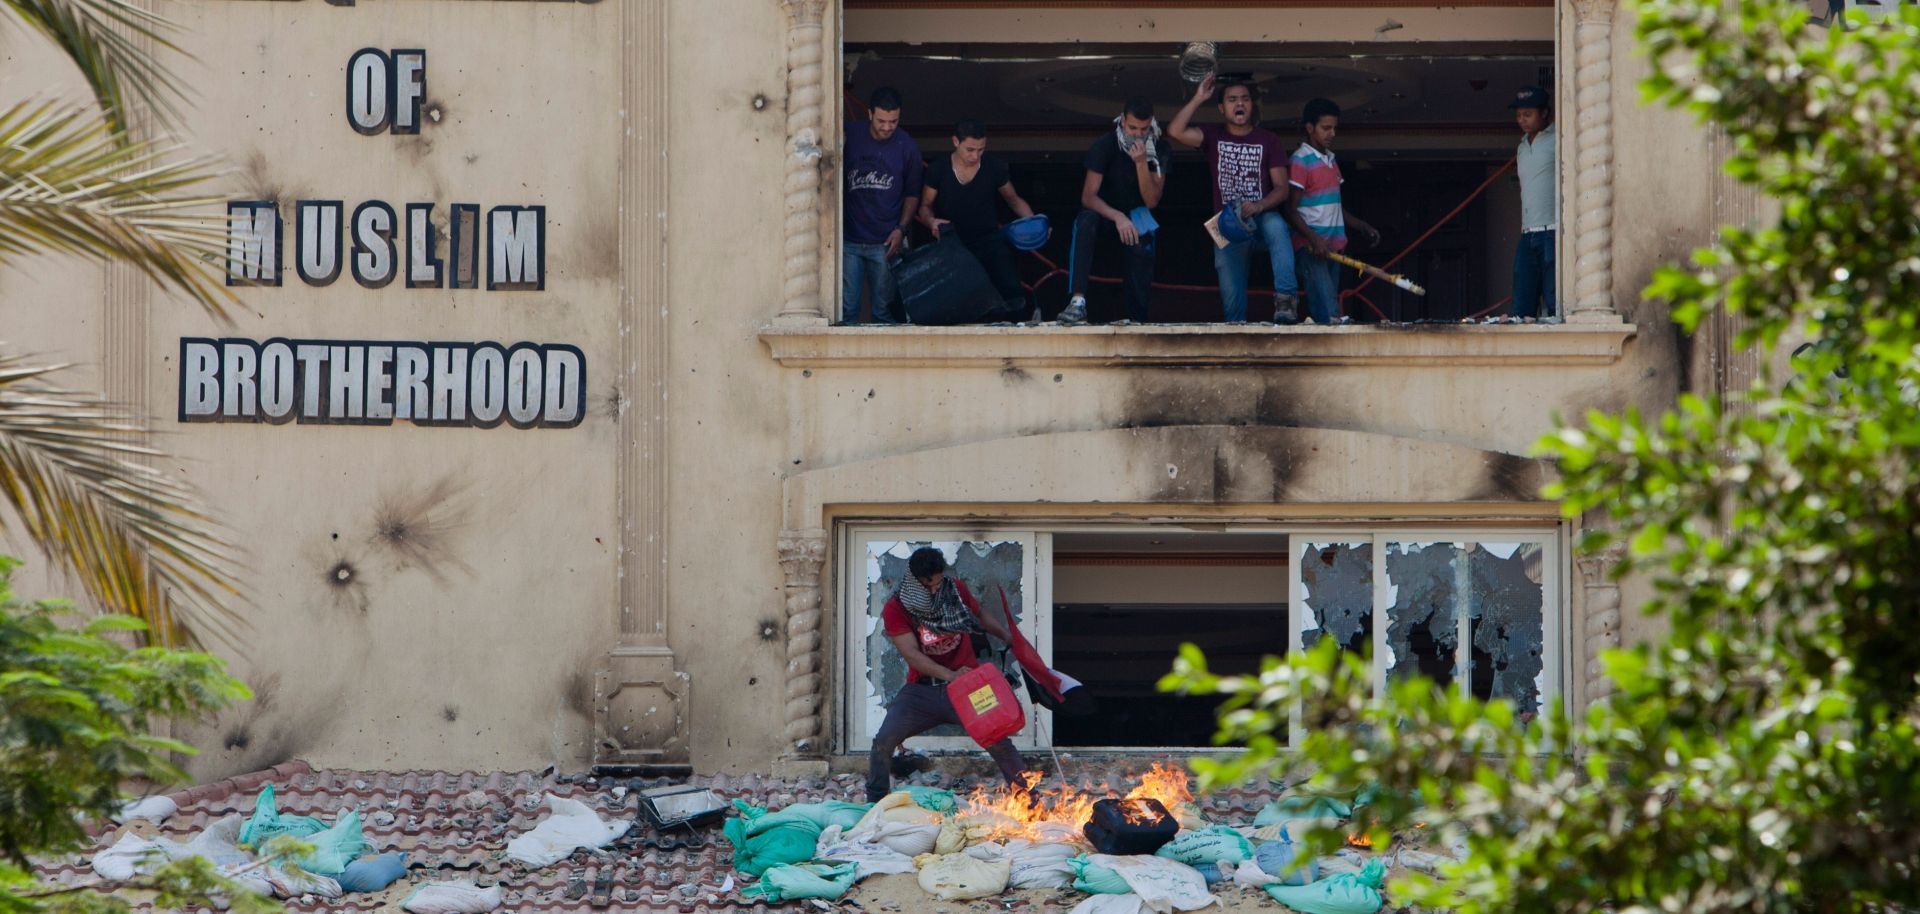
<point x="1182" y="130"/>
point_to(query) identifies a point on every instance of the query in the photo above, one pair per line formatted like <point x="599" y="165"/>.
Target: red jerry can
<point x="986" y="704"/>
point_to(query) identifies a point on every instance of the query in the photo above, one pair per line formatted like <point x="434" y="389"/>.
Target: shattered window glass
<point x="1426" y="583"/>
<point x="991" y="570"/>
<point x="1337" y="581"/>
<point x="1507" y="626"/>
<point x="1497" y="588"/>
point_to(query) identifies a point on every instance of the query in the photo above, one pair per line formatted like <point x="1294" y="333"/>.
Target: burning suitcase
<point x="1130" y="826"/>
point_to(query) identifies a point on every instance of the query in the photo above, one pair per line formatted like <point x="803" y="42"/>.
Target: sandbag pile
<point x="956" y="854"/>
<point x="340" y="860"/>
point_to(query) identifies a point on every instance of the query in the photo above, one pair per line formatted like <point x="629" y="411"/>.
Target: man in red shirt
<point x="931" y="619"/>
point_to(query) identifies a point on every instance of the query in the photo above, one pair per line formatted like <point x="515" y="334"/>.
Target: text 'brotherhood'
<point x="347" y="382"/>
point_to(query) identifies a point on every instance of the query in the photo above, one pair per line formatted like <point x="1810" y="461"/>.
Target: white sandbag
<point x="453" y="898"/>
<point x="1031" y="865"/>
<point x="1059" y="833"/>
<point x="572" y="825"/>
<point x="1343" y="861"/>
<point x="1163" y="885"/>
<point x="152" y="809"/>
<point x="1249" y="875"/>
<point x="958" y="877"/>
<point x="1419" y="860"/>
<point x="292" y="885"/>
<point x="130" y="856"/>
<point x="952" y="838"/>
<point x="871" y="859"/>
<point x="911" y="840"/>
<point x="1128" y="903"/>
<point x="897" y="806"/>
<point x="219" y="844"/>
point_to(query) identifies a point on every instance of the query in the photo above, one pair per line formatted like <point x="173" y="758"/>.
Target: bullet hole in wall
<point x="341" y="574"/>
<point x="759" y="102"/>
<point x="449" y="713"/>
<point x="753" y="680"/>
<point x="236" y="739"/>
<point x="769" y="630"/>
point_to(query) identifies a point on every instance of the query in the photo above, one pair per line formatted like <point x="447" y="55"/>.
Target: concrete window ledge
<point x="1393" y="345"/>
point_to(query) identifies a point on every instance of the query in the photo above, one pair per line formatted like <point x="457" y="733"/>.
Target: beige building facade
<point x="548" y="451"/>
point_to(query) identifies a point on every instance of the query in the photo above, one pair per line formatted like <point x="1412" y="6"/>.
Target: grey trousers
<point x="915" y="709"/>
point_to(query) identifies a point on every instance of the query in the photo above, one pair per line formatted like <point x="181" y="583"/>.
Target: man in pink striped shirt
<point x="1318" y="218"/>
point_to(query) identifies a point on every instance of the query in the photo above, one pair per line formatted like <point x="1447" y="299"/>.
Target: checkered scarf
<point x="941" y="610"/>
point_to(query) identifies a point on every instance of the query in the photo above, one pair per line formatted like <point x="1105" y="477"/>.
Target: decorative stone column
<point x="803" y="555"/>
<point x="641" y="699"/>
<point x="1592" y="300"/>
<point x="1601" y="632"/>
<point x="806" y="92"/>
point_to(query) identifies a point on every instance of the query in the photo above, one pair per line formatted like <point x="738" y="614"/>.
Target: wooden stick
<point x="1376" y="272"/>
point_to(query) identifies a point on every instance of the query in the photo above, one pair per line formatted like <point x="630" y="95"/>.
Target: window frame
<point x="1037" y="575"/>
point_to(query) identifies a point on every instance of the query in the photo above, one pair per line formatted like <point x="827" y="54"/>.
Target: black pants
<point x="915" y="709"/>
<point x="1090" y="229"/>
<point x="996" y="257"/>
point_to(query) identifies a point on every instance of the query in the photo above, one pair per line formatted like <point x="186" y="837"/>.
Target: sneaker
<point x="906" y="763"/>
<point x="1076" y="312"/>
<point x="1286" y="309"/>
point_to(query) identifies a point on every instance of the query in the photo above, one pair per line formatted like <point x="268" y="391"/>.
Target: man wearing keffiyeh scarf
<point x="930" y="620"/>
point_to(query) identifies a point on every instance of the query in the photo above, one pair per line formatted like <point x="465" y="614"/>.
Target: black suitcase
<point x="1130" y="826"/>
<point x="942" y="283"/>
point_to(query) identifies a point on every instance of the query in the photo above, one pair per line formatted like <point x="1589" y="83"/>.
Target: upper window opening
<point x="1426" y="149"/>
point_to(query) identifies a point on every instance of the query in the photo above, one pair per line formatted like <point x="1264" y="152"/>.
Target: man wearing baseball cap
<point x="1539" y="212"/>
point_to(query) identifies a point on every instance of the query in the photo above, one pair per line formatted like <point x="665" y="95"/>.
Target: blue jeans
<point x="1231" y="263"/>
<point x="862" y="267"/>
<point x="1320" y="283"/>
<point x="1533" y="275"/>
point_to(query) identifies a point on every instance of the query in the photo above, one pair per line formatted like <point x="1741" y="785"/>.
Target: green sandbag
<point x="1302" y="807"/>
<point x="335" y="847"/>
<point x="267" y="823"/>
<point x="1218" y="845"/>
<point x="763" y="839"/>
<point x="1347" y="893"/>
<point x="933" y="798"/>
<point x="787" y="881"/>
<point x="1094" y="879"/>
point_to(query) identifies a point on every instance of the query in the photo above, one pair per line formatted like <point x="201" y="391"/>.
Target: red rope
<point x="1368" y="280"/>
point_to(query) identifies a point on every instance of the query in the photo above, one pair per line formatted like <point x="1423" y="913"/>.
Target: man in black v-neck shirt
<point x="961" y="194"/>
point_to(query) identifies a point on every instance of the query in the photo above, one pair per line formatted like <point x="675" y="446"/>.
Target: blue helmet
<point x="1231" y="228"/>
<point x="1030" y="233"/>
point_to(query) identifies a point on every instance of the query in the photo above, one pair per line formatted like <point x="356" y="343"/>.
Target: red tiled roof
<point x="456" y="826"/>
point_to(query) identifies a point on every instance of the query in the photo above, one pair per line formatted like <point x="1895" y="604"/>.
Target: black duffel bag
<point x="942" y="283"/>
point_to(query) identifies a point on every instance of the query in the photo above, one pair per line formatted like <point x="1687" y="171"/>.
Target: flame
<point x="1164" y="783"/>
<point x="1057" y="814"/>
<point x="1359" y="840"/>
<point x="1139" y="812"/>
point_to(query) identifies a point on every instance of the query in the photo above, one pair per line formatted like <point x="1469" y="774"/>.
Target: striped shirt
<point x="1319" y="181"/>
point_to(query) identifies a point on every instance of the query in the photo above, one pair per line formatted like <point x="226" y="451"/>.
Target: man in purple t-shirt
<point x="1248" y="164"/>
<point x="883" y="172"/>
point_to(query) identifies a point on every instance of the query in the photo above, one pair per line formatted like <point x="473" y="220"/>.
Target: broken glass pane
<point x="1426" y="583"/>
<point x="1507" y="624"/>
<point x="991" y="570"/>
<point x="1337" y="584"/>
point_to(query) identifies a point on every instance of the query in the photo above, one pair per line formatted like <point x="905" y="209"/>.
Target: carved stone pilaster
<point x="1602" y="630"/>
<point x="803" y="554"/>
<point x="1592" y="300"/>
<point x="641" y="699"/>
<point x="806" y="91"/>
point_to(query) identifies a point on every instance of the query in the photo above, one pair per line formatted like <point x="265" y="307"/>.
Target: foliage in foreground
<point x="75" y="710"/>
<point x="75" y="181"/>
<point x="1764" y="757"/>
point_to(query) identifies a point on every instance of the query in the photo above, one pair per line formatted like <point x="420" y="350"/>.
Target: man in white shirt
<point x="1539" y="213"/>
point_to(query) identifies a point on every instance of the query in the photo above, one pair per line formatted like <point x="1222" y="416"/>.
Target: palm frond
<point x="104" y="40"/>
<point x="136" y="538"/>
<point x="68" y="185"/>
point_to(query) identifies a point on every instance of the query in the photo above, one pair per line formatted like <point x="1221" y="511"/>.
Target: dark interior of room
<point x="1422" y="127"/>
